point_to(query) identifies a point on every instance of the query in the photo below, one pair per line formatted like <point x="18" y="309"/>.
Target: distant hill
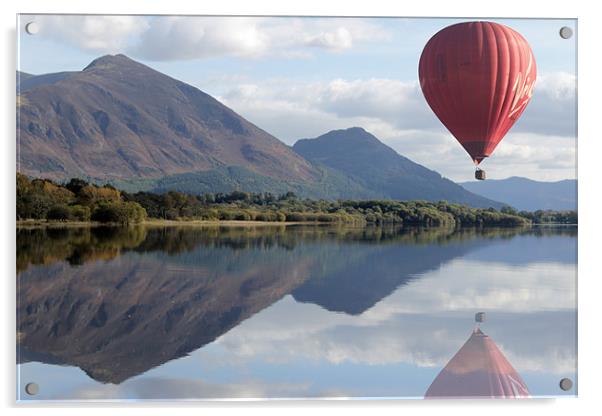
<point x="22" y="76"/>
<point x="360" y="155"/>
<point x="526" y="194"/>
<point x="27" y="81"/>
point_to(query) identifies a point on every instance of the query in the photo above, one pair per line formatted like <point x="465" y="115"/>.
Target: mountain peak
<point x="349" y="133"/>
<point x="109" y="61"/>
<point x="354" y="129"/>
<point x="343" y="139"/>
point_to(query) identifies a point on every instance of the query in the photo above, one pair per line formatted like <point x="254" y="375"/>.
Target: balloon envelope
<point x="478" y="78"/>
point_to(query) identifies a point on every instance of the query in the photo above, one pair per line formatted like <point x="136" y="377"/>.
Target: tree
<point x="75" y="185"/>
<point x="80" y="212"/>
<point x="508" y="210"/>
<point x="119" y="212"/>
<point x="91" y="195"/>
<point x="59" y="213"/>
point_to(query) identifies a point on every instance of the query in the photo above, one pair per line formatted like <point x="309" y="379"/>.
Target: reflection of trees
<point x="77" y="245"/>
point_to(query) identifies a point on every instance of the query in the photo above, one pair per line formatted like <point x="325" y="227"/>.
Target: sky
<point x="300" y="77"/>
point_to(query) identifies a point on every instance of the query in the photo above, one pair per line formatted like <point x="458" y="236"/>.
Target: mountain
<point x="119" y="119"/>
<point x="121" y="122"/>
<point x="27" y="81"/>
<point x="361" y="156"/>
<point x="526" y="194"/>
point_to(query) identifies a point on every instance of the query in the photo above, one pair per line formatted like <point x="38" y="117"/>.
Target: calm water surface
<point x="297" y="311"/>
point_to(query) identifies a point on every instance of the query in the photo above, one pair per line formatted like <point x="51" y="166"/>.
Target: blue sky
<point x="301" y="77"/>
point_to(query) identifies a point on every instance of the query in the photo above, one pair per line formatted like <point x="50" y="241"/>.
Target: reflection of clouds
<point x="531" y="311"/>
<point x="158" y="388"/>
<point x="487" y="286"/>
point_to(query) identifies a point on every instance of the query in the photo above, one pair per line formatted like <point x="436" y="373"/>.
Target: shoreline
<point x="154" y="222"/>
<point x="161" y="223"/>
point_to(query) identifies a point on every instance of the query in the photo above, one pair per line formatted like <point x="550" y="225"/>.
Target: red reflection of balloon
<point x="477" y="77"/>
<point x="479" y="369"/>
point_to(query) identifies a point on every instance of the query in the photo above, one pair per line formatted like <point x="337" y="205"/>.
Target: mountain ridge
<point x="27" y="81"/>
<point x="528" y="194"/>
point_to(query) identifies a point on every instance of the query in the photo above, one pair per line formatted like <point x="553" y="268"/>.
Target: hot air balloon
<point x="478" y="78"/>
<point x="478" y="370"/>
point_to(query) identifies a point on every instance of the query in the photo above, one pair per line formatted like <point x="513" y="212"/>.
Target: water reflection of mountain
<point x="117" y="302"/>
<point x="370" y="274"/>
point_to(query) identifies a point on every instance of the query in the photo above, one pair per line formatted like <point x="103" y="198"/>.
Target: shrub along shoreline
<point x="83" y="202"/>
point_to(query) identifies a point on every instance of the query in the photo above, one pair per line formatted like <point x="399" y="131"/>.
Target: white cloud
<point x="180" y="38"/>
<point x="169" y="38"/>
<point x="536" y="156"/>
<point x="99" y="34"/>
<point x="338" y="39"/>
<point x="552" y="109"/>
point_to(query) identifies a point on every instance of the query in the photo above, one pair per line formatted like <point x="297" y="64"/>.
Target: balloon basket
<point x="480" y="175"/>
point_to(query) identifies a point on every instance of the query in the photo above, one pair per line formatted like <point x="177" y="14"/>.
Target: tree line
<point x="78" y="200"/>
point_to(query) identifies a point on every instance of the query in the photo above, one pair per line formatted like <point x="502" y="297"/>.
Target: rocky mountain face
<point x="361" y="156"/>
<point x="119" y="119"/>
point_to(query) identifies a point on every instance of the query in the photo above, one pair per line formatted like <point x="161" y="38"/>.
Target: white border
<point x="590" y="189"/>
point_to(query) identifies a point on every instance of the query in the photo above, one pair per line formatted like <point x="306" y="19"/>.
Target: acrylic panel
<point x="229" y="207"/>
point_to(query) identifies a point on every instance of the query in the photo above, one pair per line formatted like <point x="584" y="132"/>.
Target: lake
<point x="286" y="311"/>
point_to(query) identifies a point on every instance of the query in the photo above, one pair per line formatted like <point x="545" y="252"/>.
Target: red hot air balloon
<point x="478" y="78"/>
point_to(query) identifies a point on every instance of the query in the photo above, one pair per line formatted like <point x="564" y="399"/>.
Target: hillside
<point x="529" y="195"/>
<point x="360" y="155"/>
<point x="119" y="119"/>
